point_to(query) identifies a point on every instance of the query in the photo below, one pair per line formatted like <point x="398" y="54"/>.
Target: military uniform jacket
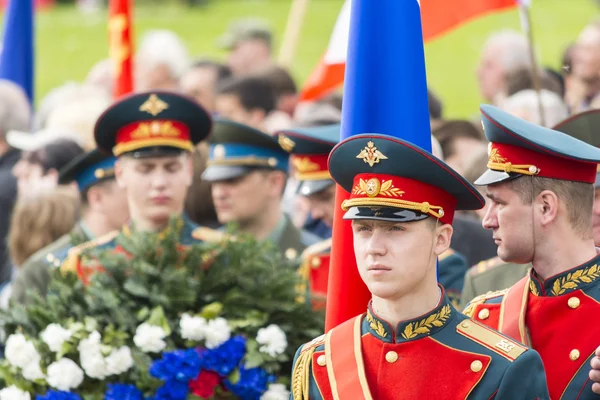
<point x="314" y="271"/>
<point x="490" y="276"/>
<point x="558" y="317"/>
<point x="189" y="233"/>
<point x="34" y="274"/>
<point x="293" y="241"/>
<point x="439" y="355"/>
<point x="451" y="273"/>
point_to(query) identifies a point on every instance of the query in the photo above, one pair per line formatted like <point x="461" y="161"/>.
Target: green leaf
<point x="212" y="310"/>
<point x="158" y="318"/>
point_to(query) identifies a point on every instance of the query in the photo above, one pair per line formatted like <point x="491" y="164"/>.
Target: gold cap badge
<point x="371" y="155"/>
<point x="154" y="105"/>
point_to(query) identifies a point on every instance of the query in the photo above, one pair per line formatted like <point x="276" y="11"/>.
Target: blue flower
<point x="58" y="395"/>
<point x="172" y="390"/>
<point x="118" y="391"/>
<point x="180" y="365"/>
<point x="251" y="385"/>
<point x="225" y="358"/>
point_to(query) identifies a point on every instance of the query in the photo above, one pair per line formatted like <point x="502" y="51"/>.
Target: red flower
<point x="205" y="384"/>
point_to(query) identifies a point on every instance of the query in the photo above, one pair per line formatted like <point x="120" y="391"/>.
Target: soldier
<point x="494" y="274"/>
<point x="152" y="135"/>
<point x="309" y="150"/>
<point x="411" y="343"/>
<point x="541" y="186"/>
<point x="103" y="209"/>
<point x="248" y="170"/>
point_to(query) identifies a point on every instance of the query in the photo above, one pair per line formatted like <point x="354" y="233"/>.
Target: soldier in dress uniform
<point x="494" y="274"/>
<point x="411" y="343"/>
<point x="104" y="209"/>
<point x="248" y="170"/>
<point x="152" y="135"/>
<point x="309" y="150"/>
<point x="540" y="183"/>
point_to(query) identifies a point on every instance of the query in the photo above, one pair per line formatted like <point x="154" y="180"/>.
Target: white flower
<point x="277" y="391"/>
<point x="193" y="328"/>
<point x="149" y="338"/>
<point x="54" y="336"/>
<point x="217" y="332"/>
<point x="32" y="371"/>
<point x="64" y="374"/>
<point x="14" y="393"/>
<point x="272" y="339"/>
<point x="20" y="352"/>
<point x="119" y="361"/>
<point x="91" y="358"/>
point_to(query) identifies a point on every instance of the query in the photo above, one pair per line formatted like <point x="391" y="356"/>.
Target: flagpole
<point x="292" y="32"/>
<point x="525" y="16"/>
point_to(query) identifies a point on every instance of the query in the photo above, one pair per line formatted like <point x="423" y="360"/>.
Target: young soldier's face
<point x="395" y="259"/>
<point x="156" y="186"/>
<point x="512" y="223"/>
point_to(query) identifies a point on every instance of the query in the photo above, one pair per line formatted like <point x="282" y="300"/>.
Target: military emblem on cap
<point x="309" y="150"/>
<point x="371" y="155"/>
<point x="519" y="148"/>
<point x="413" y="187"/>
<point x="152" y="124"/>
<point x="154" y="105"/>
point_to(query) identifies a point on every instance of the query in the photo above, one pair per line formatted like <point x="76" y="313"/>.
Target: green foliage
<point x="152" y="278"/>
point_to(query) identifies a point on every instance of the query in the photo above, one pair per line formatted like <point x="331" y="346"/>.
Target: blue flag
<point x="16" y="60"/>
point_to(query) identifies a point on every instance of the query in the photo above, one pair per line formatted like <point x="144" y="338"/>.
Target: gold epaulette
<point x="208" y="235"/>
<point x="301" y="369"/>
<point x="491" y="339"/>
<point x="446" y="254"/>
<point x="70" y="263"/>
<point x="482" y="298"/>
<point x="317" y="248"/>
<point x="485" y="265"/>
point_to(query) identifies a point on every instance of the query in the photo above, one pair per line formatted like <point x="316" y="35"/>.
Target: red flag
<point x="120" y="46"/>
<point x="438" y="16"/>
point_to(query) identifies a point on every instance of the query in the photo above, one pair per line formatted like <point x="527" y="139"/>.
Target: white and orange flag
<point x="438" y="17"/>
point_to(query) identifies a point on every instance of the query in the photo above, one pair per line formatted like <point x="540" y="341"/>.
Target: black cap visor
<point x="389" y="214"/>
<point x="308" y="188"/>
<point x="491" y="177"/>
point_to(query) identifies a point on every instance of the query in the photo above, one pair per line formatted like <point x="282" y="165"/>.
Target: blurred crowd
<point x="250" y="88"/>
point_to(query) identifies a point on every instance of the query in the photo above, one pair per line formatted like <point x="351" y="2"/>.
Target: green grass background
<point x="69" y="43"/>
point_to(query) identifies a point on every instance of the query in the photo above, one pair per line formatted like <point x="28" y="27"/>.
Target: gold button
<point x="315" y="262"/>
<point x="476" y="366"/>
<point x="574" y="354"/>
<point x="321" y="360"/>
<point x="465" y="324"/>
<point x="484" y="314"/>
<point x="391" y="357"/>
<point x="574" y="302"/>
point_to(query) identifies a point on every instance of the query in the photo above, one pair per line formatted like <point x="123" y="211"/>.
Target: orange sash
<point x="513" y="310"/>
<point x="345" y="366"/>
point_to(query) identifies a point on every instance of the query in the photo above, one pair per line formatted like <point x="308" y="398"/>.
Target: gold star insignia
<point x="154" y="105"/>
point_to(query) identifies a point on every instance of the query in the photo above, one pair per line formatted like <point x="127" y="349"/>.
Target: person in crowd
<point x="504" y="52"/>
<point x="460" y="140"/>
<point x="199" y="206"/>
<point x="161" y="59"/>
<point x="15" y="114"/>
<point x="584" y="83"/>
<point x="522" y="79"/>
<point x="201" y="81"/>
<point x="37" y="221"/>
<point x="250" y="46"/>
<point x="525" y="105"/>
<point x="44" y="154"/>
<point x="247" y="100"/>
<point x="103" y="210"/>
<point x="249" y="170"/>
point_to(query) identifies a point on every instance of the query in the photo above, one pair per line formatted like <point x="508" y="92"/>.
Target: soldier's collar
<point x="181" y="221"/>
<point x="412" y="329"/>
<point x="566" y="282"/>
